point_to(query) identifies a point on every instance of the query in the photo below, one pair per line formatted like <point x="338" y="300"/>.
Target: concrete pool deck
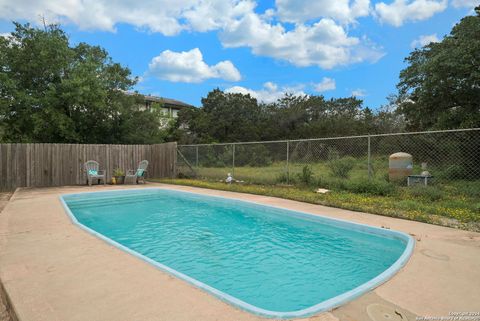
<point x="53" y="270"/>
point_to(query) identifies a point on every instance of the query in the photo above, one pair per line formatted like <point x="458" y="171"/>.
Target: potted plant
<point x="119" y="176"/>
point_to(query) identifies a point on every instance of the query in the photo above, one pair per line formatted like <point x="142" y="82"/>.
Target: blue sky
<point x="182" y="49"/>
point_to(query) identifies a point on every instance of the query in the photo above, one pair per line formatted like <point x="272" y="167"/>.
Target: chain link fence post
<point x="369" y="159"/>
<point x="288" y="170"/>
<point x="196" y="158"/>
<point x="233" y="160"/>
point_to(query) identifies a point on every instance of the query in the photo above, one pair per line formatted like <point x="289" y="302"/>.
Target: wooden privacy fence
<point x="26" y="165"/>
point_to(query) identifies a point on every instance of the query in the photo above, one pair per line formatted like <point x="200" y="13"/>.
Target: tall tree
<point x="227" y="117"/>
<point x="440" y="88"/>
<point x="52" y="92"/>
<point x="235" y="117"/>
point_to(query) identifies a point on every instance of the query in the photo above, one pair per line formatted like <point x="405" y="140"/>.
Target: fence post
<point x="233" y="160"/>
<point x="369" y="157"/>
<point x="288" y="170"/>
<point x="196" y="157"/>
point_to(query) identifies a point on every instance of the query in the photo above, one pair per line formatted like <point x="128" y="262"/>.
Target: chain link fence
<point x="450" y="155"/>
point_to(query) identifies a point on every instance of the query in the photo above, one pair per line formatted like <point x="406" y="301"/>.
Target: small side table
<point x="417" y="179"/>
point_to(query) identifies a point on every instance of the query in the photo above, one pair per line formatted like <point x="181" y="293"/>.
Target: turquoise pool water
<point x="271" y="261"/>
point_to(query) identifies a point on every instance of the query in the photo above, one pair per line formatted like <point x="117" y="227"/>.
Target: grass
<point x="348" y="167"/>
<point x="455" y="205"/>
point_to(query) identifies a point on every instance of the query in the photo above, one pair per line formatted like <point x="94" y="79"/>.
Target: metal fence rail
<point x="450" y="155"/>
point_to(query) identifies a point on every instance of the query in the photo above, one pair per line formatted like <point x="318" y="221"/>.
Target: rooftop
<point x="168" y="102"/>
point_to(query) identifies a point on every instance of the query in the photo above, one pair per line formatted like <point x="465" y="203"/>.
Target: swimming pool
<point x="270" y="261"/>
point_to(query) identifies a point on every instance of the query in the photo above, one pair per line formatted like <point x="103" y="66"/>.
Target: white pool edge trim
<point x="323" y="306"/>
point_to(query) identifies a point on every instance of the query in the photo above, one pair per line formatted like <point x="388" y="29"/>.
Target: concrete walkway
<point x="53" y="270"/>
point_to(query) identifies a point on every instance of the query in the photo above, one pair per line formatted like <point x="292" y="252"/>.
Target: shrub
<point x="341" y="167"/>
<point x="184" y="175"/>
<point x="255" y="155"/>
<point x="306" y="176"/>
<point x="212" y="158"/>
<point x="386" y="177"/>
<point x="333" y="153"/>
<point x="359" y="186"/>
<point x="456" y="171"/>
<point x="331" y="183"/>
<point x="427" y="192"/>
<point x="372" y="187"/>
<point x="118" y="172"/>
<point x="282" y="178"/>
<point x="260" y="156"/>
<point x="467" y="188"/>
<point x="476" y="207"/>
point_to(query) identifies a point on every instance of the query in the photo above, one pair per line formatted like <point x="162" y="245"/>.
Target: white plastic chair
<point x="137" y="175"/>
<point x="92" y="168"/>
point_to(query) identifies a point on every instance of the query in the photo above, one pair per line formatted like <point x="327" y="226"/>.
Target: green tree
<point x="192" y="126"/>
<point x="236" y="117"/>
<point x="224" y="117"/>
<point x="388" y="118"/>
<point x="52" y="92"/>
<point x="288" y="117"/>
<point x="144" y="127"/>
<point x="440" y="88"/>
<point x="314" y="116"/>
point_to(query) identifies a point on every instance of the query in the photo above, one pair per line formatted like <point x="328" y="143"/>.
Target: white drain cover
<point x="380" y="312"/>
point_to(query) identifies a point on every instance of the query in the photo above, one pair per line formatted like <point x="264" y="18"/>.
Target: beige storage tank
<point x="400" y="165"/>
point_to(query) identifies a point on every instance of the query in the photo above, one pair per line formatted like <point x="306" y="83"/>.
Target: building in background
<point x="170" y="107"/>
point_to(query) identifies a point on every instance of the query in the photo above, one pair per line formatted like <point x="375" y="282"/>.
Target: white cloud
<point x="270" y="86"/>
<point x="424" y="40"/>
<point x="168" y="17"/>
<point x="269" y="93"/>
<point x="216" y="14"/>
<point x="325" y="85"/>
<point x="188" y="66"/>
<point x="299" y="11"/>
<point x="324" y="44"/>
<point x="465" y="3"/>
<point x="400" y="11"/>
<point x="319" y="37"/>
<point x="359" y="93"/>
